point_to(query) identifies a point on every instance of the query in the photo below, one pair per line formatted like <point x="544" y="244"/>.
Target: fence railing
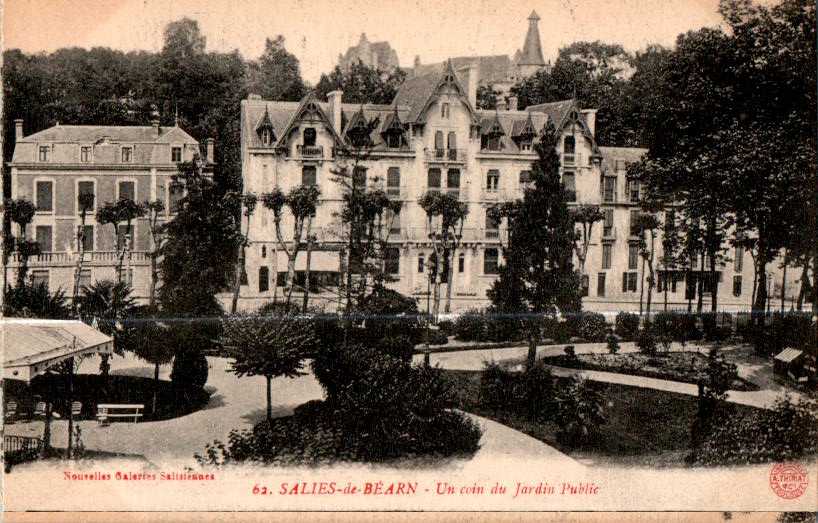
<point x="62" y="257"/>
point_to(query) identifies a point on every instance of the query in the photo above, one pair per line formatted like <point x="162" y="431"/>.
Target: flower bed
<point x="687" y="367"/>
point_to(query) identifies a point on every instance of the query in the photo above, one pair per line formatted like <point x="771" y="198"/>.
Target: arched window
<point x="569" y="145"/>
<point x="266" y="136"/>
<point x="439" y="145"/>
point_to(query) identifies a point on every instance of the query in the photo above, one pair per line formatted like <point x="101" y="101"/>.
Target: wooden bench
<point x="107" y="411"/>
<point x="39" y="411"/>
<point x="76" y="409"/>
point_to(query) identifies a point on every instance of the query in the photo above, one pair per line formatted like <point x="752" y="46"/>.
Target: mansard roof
<point x="115" y="133"/>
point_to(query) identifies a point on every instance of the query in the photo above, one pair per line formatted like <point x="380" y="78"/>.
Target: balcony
<point x="309" y="151"/>
<point x="571" y="160"/>
<point x="445" y="156"/>
<point x="458" y="192"/>
<point x="608" y="233"/>
<point x="62" y="258"/>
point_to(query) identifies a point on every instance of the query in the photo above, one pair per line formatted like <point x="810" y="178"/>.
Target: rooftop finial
<point x="176" y="116"/>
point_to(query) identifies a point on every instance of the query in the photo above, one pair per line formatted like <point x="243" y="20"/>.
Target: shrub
<point x="189" y="370"/>
<point x="564" y="331"/>
<point x="591" y="326"/>
<point x="788" y="432"/>
<point x="570" y="352"/>
<point x="470" y="326"/>
<point x="496" y="390"/>
<point x="613" y="344"/>
<point x="646" y="341"/>
<point x="504" y="327"/>
<point x="627" y="325"/>
<point x="534" y="392"/>
<point x="580" y="412"/>
<point x="446" y="327"/>
<point x="392" y="323"/>
<point x="437" y="337"/>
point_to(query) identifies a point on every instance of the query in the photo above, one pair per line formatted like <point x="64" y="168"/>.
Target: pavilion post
<point x="70" y="402"/>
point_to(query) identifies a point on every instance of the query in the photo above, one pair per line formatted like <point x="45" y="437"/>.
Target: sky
<point x="317" y="31"/>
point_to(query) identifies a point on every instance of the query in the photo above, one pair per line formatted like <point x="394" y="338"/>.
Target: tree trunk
<point x="714" y="283"/>
<point x="532" y="350"/>
<point x="642" y="287"/>
<point x="449" y="285"/>
<point x="78" y="267"/>
<point x="687" y="283"/>
<point x="269" y="398"/>
<point x="651" y="275"/>
<point x="699" y="304"/>
<point x="804" y="286"/>
<point x="154" y="279"/>
<point x="784" y="281"/>
<point x="155" y="388"/>
<point x="45" y="450"/>
<point x="666" y="284"/>
<point x="237" y="278"/>
<point x="305" y="304"/>
<point x="761" y="294"/>
<point x="290" y="277"/>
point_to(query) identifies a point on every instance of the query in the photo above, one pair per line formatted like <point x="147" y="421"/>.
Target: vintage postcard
<point x="550" y="256"/>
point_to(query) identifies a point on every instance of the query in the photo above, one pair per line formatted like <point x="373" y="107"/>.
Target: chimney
<point x="590" y="120"/>
<point x="155" y="125"/>
<point x="502" y="105"/>
<point x="512" y="103"/>
<point x="474" y="80"/>
<point x="18" y="130"/>
<point x="254" y="96"/>
<point x="211" y="145"/>
<point x="334" y="99"/>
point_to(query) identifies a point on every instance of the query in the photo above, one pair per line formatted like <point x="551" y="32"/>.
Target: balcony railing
<point x="47" y="259"/>
<point x="572" y="159"/>
<point x="458" y="192"/>
<point x="457" y="156"/>
<point x="608" y="233"/>
<point x="309" y="151"/>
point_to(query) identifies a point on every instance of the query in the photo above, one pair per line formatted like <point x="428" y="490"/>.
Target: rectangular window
<point x="736" y="286"/>
<point x="606" y="255"/>
<point x="525" y="176"/>
<point x="633" y="256"/>
<point x="309" y="175"/>
<point x="421" y="263"/>
<point x="609" y="189"/>
<point x="39" y="277"/>
<point x="45" y="153"/>
<point x="85" y="154"/>
<point x="453" y="179"/>
<point x="85" y="280"/>
<point x="176" y="191"/>
<point x="444" y="110"/>
<point x="629" y="281"/>
<point x="263" y="279"/>
<point x="738" y="260"/>
<point x="127" y="154"/>
<point x="570" y="184"/>
<point x="359" y="177"/>
<point x="634" y="225"/>
<point x="586" y="284"/>
<point x="392" y="260"/>
<point x="461" y="263"/>
<point x="393" y="221"/>
<point x="492" y="180"/>
<point x="82" y="189"/>
<point x="600" y="284"/>
<point x="490" y="261"/>
<point x="608" y="222"/>
<point x="690" y="286"/>
<point x="127" y="191"/>
<point x="434" y="179"/>
<point x="393" y="181"/>
<point x="633" y="189"/>
<point x="309" y="136"/>
<point x="525" y="145"/>
<point x="175" y="154"/>
<point x="45" y="238"/>
<point x="124" y="238"/>
<point x="45" y="196"/>
<point x="87" y="237"/>
<point x="492" y="225"/>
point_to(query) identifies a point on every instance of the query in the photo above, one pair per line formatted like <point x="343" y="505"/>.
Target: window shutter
<point x="624" y="282"/>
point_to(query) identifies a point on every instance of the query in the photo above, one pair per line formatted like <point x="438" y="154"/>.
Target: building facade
<point x="431" y="138"/>
<point x="53" y="167"/>
<point x="377" y="55"/>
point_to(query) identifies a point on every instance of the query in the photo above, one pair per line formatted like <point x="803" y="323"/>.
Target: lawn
<point x="687" y="367"/>
<point x="644" y="427"/>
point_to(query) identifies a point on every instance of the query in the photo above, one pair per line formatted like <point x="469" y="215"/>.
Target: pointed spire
<point x="532" y="48"/>
<point x="176" y="116"/>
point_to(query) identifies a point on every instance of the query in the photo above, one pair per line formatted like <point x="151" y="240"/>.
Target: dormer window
<point x="127" y="154"/>
<point x="309" y="136"/>
<point x="393" y="134"/>
<point x="175" y="154"/>
<point x="491" y="140"/>
<point x="266" y="137"/>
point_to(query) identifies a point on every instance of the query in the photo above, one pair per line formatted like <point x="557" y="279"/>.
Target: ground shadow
<point x="215" y="401"/>
<point x="256" y="416"/>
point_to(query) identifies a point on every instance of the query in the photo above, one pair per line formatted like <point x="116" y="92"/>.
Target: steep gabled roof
<point x="308" y="103"/>
<point x="417" y="92"/>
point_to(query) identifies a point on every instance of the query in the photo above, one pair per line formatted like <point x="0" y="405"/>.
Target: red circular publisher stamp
<point x="789" y="479"/>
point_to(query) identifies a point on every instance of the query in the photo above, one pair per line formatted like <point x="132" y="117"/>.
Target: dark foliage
<point x="35" y="301"/>
<point x="361" y="84"/>
<point x="530" y="393"/>
<point x="590" y="326"/>
<point x="189" y="370"/>
<point x="627" y="325"/>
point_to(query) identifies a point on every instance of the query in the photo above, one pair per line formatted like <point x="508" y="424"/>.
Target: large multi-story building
<point x="53" y="167"/>
<point x="431" y="138"/>
<point x="377" y="55"/>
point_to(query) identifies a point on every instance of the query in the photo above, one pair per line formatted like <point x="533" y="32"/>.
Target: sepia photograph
<point x="554" y="256"/>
